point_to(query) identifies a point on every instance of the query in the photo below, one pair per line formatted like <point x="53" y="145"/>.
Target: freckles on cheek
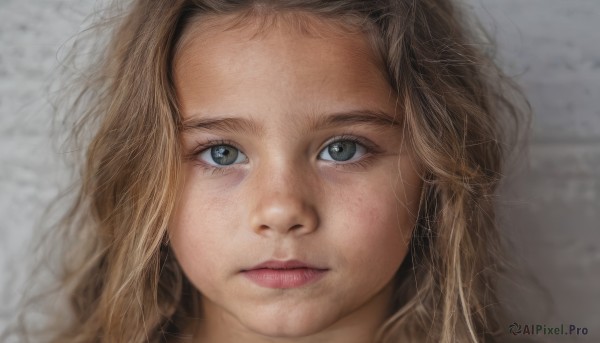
<point x="202" y="216"/>
<point x="191" y="242"/>
<point x="377" y="229"/>
<point x="184" y="225"/>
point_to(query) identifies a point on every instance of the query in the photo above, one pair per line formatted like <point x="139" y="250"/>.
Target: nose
<point x="281" y="203"/>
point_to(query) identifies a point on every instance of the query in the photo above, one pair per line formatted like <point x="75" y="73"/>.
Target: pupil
<point x="342" y="151"/>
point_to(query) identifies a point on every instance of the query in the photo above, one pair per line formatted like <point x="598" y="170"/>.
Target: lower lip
<point x="284" y="278"/>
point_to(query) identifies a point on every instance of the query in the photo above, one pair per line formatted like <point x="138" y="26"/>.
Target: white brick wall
<point x="551" y="209"/>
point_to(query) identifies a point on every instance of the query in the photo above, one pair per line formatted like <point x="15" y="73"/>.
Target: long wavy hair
<point x="123" y="283"/>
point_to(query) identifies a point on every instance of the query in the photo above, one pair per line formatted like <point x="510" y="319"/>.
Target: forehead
<point x="311" y="57"/>
<point x="249" y="26"/>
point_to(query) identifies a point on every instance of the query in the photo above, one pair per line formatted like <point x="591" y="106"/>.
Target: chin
<point x="289" y="324"/>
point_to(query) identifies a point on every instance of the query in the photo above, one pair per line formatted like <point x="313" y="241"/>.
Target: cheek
<point x="198" y="234"/>
<point x="377" y="233"/>
<point x="200" y="215"/>
<point x="376" y="227"/>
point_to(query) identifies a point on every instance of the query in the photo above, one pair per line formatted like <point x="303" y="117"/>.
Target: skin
<point x="285" y="199"/>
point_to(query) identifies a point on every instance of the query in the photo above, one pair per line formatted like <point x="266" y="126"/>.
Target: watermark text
<point x="548" y="330"/>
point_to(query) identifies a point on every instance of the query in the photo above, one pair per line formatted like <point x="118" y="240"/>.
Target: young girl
<point x="288" y="171"/>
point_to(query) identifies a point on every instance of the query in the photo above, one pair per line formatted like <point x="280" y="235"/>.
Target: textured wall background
<point x="551" y="207"/>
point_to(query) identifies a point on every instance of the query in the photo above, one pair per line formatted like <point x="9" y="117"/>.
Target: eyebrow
<point x="374" y="118"/>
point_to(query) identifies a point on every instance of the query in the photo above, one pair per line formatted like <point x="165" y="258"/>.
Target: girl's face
<point x="292" y="156"/>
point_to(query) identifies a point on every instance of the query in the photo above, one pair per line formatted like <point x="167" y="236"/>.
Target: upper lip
<point x="289" y="264"/>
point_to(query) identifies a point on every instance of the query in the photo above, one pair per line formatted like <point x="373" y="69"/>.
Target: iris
<point x="342" y="150"/>
<point x="224" y="154"/>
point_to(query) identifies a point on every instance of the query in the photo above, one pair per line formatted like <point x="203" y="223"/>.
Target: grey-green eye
<point x="222" y="155"/>
<point x="342" y="151"/>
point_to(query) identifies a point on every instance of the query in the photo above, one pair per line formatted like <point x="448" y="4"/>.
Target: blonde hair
<point x="122" y="281"/>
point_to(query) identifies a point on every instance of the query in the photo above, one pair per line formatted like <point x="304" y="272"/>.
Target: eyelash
<point x="370" y="151"/>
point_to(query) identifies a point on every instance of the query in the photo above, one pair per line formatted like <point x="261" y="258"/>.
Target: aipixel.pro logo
<point x="542" y="329"/>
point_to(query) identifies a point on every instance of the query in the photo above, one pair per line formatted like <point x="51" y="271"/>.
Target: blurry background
<point x="550" y="212"/>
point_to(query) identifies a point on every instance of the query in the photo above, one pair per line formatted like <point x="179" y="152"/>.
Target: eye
<point x="222" y="155"/>
<point x="342" y="150"/>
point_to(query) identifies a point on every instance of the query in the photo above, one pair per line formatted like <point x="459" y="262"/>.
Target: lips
<point x="284" y="274"/>
<point x="284" y="265"/>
